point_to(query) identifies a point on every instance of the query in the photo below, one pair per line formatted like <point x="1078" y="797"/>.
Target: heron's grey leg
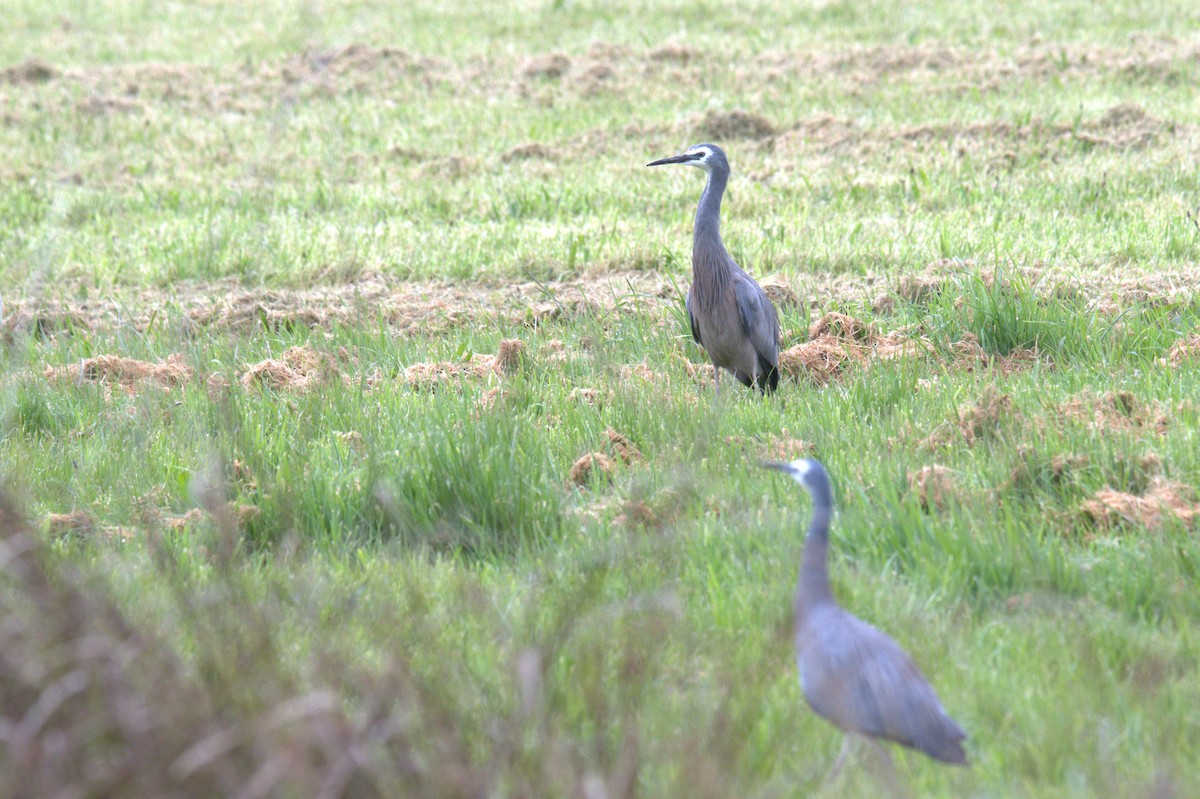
<point x="839" y="761"/>
<point x="716" y="381"/>
<point x="888" y="775"/>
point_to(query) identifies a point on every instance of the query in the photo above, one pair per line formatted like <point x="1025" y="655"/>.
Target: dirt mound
<point x="621" y="447"/>
<point x="842" y="327"/>
<point x="934" y="486"/>
<point x="983" y="419"/>
<point x="818" y="360"/>
<point x="43" y="320"/>
<point x="779" y="291"/>
<point x="590" y="467"/>
<point x="59" y="525"/>
<point x="1114" y="411"/>
<point x="299" y="369"/>
<point x="127" y="373"/>
<point x="1185" y="350"/>
<point x="551" y="65"/>
<point x="837" y="339"/>
<point x="969" y="355"/>
<point x="1163" y="497"/>
<point x="974" y="422"/>
<point x="720" y="126"/>
<point x="1122" y="126"/>
<point x="674" y="53"/>
<point x="31" y="70"/>
<point x="1031" y="469"/>
<point x="529" y="151"/>
<point x="429" y="375"/>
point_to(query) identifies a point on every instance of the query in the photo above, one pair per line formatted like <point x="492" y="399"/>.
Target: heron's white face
<point x="701" y="157"/>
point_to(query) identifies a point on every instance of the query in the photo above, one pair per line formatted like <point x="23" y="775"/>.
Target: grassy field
<point x="354" y="443"/>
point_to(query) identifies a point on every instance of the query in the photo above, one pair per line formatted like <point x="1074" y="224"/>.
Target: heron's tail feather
<point x="768" y="376"/>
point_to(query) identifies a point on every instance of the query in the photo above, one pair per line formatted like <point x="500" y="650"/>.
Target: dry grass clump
<point x="31" y="70"/>
<point x="1114" y="411"/>
<point x="1186" y="350"/>
<point x="842" y="327"/>
<point x="59" y="525"/>
<point x="729" y="125"/>
<point x="976" y="421"/>
<point x="837" y="340"/>
<point x="529" y="151"/>
<point x="590" y="396"/>
<point x="779" y="291"/>
<point x="127" y="373"/>
<point x="969" y="354"/>
<point x="589" y="467"/>
<point x="1031" y="469"/>
<point x="621" y="447"/>
<point x="1163" y="498"/>
<point x="299" y="369"/>
<point x="934" y="486"/>
<point x="508" y="359"/>
<point x="982" y="419"/>
<point x="551" y="65"/>
<point x="42" y="320"/>
<point x="642" y="371"/>
<point x="818" y="360"/>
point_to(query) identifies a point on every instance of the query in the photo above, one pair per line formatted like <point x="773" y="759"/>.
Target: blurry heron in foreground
<point x="851" y="673"/>
<point x="730" y="314"/>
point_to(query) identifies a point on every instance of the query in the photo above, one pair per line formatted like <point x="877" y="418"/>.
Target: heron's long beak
<point x="786" y="468"/>
<point x="675" y="159"/>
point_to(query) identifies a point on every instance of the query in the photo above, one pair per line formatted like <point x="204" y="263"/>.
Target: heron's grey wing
<point x="687" y="303"/>
<point x="860" y="679"/>
<point x="758" y="317"/>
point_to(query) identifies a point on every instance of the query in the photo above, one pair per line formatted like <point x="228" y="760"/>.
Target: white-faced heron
<point x="851" y="673"/>
<point x="730" y="314"/>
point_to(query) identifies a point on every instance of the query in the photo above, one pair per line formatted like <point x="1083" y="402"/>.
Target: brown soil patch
<point x="621" y="447"/>
<point x="124" y="372"/>
<point x="1114" y="411"/>
<point x="969" y="354"/>
<point x="934" y="486"/>
<point x="974" y="422"/>
<point x="819" y="360"/>
<point x="430" y="307"/>
<point x="779" y="291"/>
<point x="429" y="375"/>
<point x="586" y="395"/>
<point x="1164" y="497"/>
<point x="1184" y="351"/>
<point x="526" y="152"/>
<point x="1058" y="470"/>
<point x="675" y="53"/>
<point x="180" y="523"/>
<point x="593" y="466"/>
<point x="59" y="525"/>
<point x="786" y="448"/>
<point x="43" y="319"/>
<point x="552" y="65"/>
<point x="842" y="327"/>
<point x="298" y="369"/>
<point x="836" y="340"/>
<point x="983" y="419"/>
<point x="731" y="125"/>
<point x="1122" y="126"/>
<point x="31" y="70"/>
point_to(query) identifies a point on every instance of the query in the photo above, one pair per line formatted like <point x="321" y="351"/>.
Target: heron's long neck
<point x="710" y="261"/>
<point x="812" y="589"/>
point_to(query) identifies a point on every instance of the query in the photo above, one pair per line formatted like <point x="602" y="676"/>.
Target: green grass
<point x="411" y="575"/>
